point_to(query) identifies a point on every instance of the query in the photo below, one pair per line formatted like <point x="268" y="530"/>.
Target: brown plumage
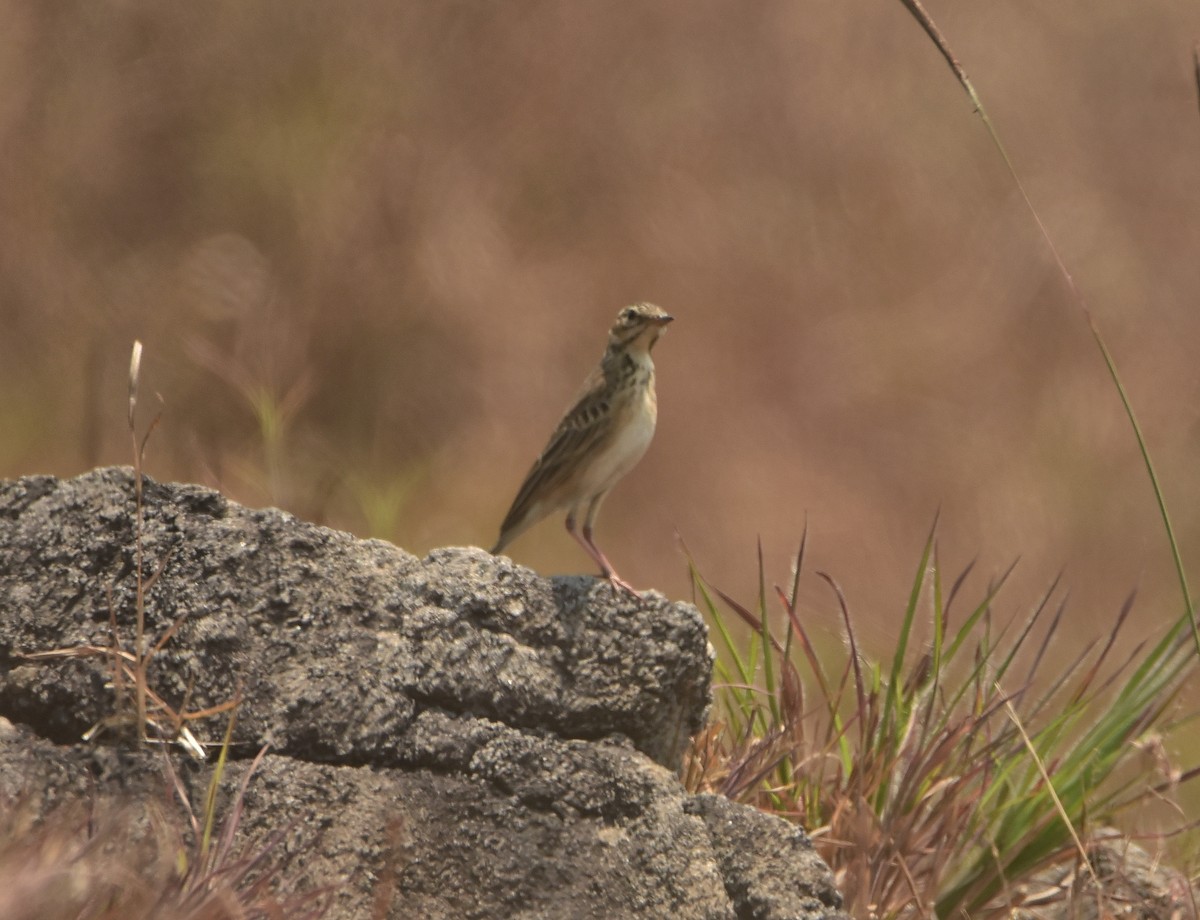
<point x="599" y="440"/>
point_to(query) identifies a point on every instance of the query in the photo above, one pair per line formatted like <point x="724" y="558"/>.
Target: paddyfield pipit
<point x="599" y="440"/>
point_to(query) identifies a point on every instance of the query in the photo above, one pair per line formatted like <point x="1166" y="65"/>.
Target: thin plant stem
<point x="926" y="22"/>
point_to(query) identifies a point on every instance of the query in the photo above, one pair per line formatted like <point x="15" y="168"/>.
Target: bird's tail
<point x="510" y="530"/>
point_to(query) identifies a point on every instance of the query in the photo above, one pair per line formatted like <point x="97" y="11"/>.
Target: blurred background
<point x="373" y="250"/>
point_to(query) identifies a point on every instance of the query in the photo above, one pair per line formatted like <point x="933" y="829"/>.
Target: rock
<point x="1132" y="884"/>
<point x="740" y="836"/>
<point x="453" y="735"/>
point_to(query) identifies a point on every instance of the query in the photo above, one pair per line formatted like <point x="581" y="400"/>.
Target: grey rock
<point x="740" y="836"/>
<point x="336" y="642"/>
<point x="453" y="734"/>
<point x="1131" y="884"/>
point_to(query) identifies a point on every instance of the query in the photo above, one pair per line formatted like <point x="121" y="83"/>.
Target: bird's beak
<point x="663" y="320"/>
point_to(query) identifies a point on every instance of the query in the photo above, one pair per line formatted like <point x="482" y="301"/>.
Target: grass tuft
<point x="943" y="783"/>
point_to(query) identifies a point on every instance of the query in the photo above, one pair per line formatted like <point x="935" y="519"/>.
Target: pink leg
<point x="589" y="547"/>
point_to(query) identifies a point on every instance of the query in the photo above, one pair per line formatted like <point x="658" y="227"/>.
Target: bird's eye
<point x="629" y="314"/>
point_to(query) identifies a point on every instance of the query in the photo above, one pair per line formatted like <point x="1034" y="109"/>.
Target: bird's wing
<point x="586" y="424"/>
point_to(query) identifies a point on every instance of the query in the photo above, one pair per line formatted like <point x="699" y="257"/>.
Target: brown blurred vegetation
<point x="373" y="247"/>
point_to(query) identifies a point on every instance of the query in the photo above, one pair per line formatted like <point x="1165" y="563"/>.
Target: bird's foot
<point x="620" y="584"/>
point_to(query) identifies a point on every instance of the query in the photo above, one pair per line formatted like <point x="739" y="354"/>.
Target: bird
<point x="599" y="439"/>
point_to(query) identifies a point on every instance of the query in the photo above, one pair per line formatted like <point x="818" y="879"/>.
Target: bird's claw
<point x="620" y="584"/>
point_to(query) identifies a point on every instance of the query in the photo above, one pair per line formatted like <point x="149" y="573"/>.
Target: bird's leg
<point x="606" y="569"/>
<point x="605" y="566"/>
<point x="593" y="550"/>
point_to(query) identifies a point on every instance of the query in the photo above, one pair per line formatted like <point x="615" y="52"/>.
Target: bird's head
<point x="638" y="326"/>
